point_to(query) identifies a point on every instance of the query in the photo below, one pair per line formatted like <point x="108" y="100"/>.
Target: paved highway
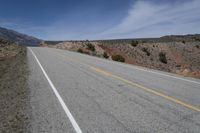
<point x="76" y="93"/>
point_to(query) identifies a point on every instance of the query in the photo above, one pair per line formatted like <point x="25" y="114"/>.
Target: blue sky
<point x="100" y="19"/>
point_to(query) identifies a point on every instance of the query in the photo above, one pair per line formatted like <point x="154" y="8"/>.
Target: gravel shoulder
<point x="13" y="89"/>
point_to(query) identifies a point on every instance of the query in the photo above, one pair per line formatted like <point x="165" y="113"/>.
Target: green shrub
<point x="134" y="43"/>
<point x="118" y="58"/>
<point x="105" y="55"/>
<point x="90" y="47"/>
<point x="86" y="52"/>
<point x="162" y="57"/>
<point x="80" y="50"/>
<point x="144" y="41"/>
<point x="196" y="39"/>
<point x="146" y="51"/>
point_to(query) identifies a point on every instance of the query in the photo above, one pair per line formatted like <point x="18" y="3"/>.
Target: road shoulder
<point x="14" y="98"/>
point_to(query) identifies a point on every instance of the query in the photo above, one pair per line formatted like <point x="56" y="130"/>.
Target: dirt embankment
<point x="13" y="88"/>
<point x="181" y="58"/>
<point x="176" y="54"/>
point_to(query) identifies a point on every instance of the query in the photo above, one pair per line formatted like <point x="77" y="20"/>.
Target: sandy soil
<point x="13" y="89"/>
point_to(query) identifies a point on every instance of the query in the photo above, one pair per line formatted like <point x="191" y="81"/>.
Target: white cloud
<point x="148" y="19"/>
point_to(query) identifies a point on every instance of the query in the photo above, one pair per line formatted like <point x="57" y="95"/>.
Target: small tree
<point x="118" y="58"/>
<point x="105" y="55"/>
<point x="90" y="47"/>
<point x="134" y="43"/>
<point x="146" y="51"/>
<point x="80" y="50"/>
<point x="144" y="41"/>
<point x="162" y="57"/>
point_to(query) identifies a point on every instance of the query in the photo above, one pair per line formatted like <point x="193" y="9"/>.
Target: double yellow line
<point x="152" y="91"/>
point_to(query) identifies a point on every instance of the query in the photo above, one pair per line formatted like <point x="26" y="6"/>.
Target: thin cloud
<point x="147" y="18"/>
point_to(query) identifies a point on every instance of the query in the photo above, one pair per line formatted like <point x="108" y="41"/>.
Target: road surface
<point x="76" y="93"/>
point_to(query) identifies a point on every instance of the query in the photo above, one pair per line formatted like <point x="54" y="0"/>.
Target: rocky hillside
<point x="177" y="54"/>
<point x="18" y="38"/>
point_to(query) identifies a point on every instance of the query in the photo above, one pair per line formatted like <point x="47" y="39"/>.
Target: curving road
<point x="76" y="93"/>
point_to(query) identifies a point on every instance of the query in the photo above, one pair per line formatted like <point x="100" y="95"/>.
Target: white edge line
<point x="71" y="118"/>
<point x="158" y="73"/>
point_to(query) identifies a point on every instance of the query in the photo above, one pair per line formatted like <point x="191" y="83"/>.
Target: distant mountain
<point x="18" y="38"/>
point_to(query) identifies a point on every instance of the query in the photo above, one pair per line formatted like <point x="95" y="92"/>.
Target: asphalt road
<point x="74" y="93"/>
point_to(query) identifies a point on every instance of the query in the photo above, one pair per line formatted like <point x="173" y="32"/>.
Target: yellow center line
<point x="145" y="88"/>
<point x="152" y="91"/>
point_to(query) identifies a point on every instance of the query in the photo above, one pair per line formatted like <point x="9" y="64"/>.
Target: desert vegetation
<point x="118" y="57"/>
<point x="162" y="57"/>
<point x="134" y="43"/>
<point x="80" y="50"/>
<point x="90" y="46"/>
<point x="146" y="51"/>
<point x="168" y="53"/>
<point x="105" y="55"/>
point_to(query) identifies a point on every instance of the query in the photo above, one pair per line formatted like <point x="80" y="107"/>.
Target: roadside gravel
<point x="13" y="90"/>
